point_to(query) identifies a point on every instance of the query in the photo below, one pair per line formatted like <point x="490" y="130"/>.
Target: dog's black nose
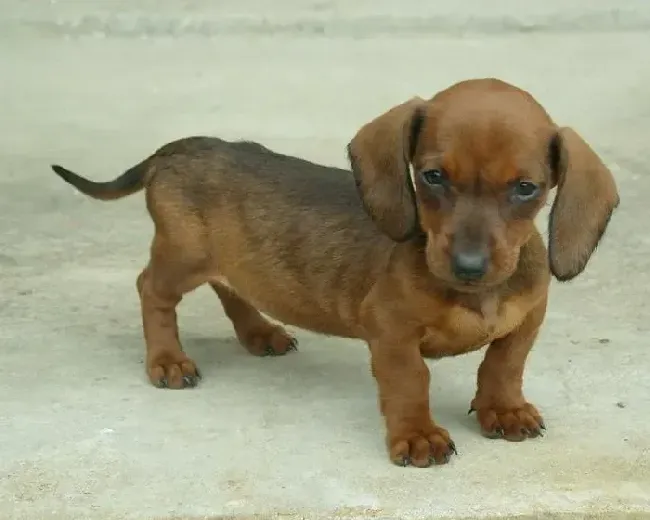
<point x="469" y="266"/>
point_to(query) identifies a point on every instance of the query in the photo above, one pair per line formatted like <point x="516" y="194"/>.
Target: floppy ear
<point x="380" y="155"/>
<point x="586" y="197"/>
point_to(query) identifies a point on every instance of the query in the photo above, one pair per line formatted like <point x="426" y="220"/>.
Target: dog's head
<point x="470" y="169"/>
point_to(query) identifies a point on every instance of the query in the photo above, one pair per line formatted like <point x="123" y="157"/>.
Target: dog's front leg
<point x="501" y="408"/>
<point x="403" y="380"/>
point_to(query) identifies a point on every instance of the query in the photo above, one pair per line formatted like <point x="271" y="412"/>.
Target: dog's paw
<point x="514" y="424"/>
<point x="271" y="340"/>
<point x="173" y="371"/>
<point x="423" y="448"/>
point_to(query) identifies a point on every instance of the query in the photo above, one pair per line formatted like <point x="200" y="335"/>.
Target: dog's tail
<point x="131" y="181"/>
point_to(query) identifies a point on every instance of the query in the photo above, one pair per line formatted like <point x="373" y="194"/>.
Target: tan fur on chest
<point x="459" y="329"/>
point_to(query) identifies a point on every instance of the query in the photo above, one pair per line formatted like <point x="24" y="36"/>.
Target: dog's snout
<point x="469" y="265"/>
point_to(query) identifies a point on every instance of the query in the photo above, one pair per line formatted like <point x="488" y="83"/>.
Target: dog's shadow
<point x="322" y="372"/>
<point x="334" y="369"/>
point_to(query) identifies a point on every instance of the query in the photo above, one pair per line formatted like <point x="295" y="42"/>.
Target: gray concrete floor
<point x="98" y="85"/>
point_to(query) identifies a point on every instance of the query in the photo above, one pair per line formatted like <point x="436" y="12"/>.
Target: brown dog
<point x="441" y="258"/>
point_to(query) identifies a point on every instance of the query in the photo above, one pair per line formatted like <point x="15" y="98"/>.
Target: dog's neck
<point x="484" y="302"/>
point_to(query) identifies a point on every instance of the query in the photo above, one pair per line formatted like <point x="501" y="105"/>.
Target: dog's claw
<point x="471" y="411"/>
<point x="402" y="461"/>
<point x="542" y="425"/>
<point x="452" y="447"/>
<point x="190" y="381"/>
<point x="532" y="432"/>
<point x="270" y="351"/>
<point x="499" y="431"/>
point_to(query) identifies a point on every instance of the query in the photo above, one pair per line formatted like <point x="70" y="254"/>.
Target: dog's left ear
<point x="586" y="197"/>
<point x="380" y="155"/>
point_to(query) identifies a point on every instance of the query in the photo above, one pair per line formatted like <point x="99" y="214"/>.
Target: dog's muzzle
<point x="469" y="266"/>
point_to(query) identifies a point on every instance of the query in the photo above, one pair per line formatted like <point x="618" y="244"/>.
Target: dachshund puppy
<point x="428" y="249"/>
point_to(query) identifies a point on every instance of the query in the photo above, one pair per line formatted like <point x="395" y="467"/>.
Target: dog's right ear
<point x="380" y="155"/>
<point x="586" y="198"/>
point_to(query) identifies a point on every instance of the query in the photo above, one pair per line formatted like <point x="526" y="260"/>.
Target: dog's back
<point x="267" y="192"/>
<point x="261" y="221"/>
<point x="277" y="223"/>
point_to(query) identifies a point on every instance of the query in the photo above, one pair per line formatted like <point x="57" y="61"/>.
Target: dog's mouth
<point x="471" y="286"/>
<point x="467" y="286"/>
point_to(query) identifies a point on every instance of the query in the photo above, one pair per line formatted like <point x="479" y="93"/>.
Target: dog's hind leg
<point x="254" y="331"/>
<point x="170" y="274"/>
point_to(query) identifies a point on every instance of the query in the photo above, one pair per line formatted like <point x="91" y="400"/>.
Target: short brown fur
<point x="292" y="239"/>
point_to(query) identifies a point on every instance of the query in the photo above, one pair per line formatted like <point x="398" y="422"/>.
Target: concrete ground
<point x="98" y="85"/>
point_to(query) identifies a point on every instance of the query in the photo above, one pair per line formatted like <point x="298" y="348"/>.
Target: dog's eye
<point x="523" y="191"/>
<point x="433" y="177"/>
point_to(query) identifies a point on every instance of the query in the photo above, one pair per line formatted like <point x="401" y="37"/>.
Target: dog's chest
<point x="460" y="329"/>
